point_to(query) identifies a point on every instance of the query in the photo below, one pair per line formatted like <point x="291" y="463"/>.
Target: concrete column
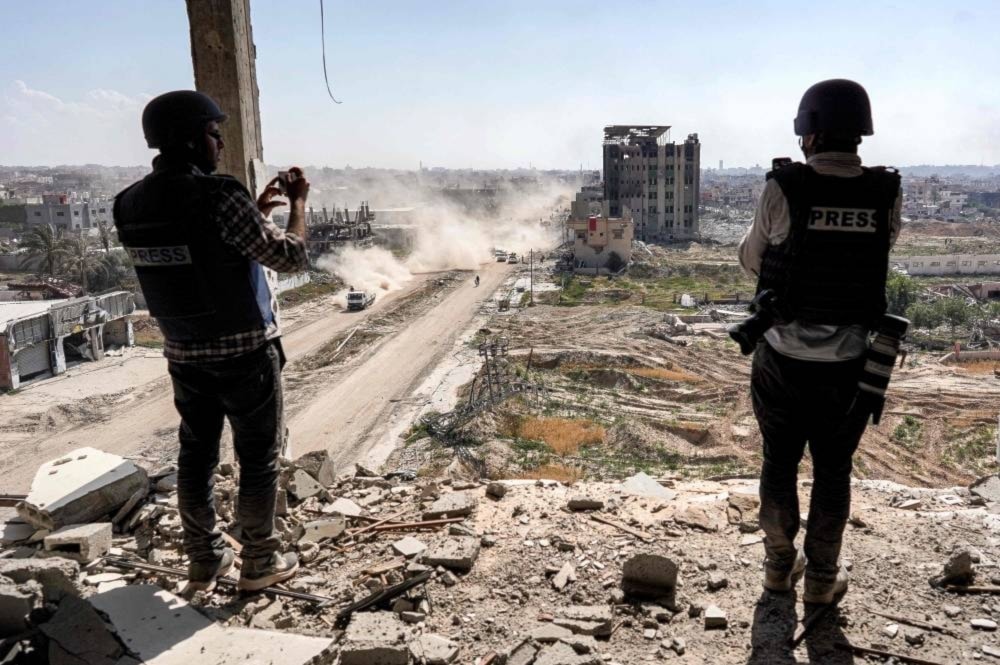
<point x="223" y="54"/>
<point x="9" y="377"/>
<point x="58" y="355"/>
<point x="96" y="342"/>
<point x="119" y="332"/>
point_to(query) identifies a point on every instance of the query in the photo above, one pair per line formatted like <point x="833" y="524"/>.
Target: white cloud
<point x="39" y="127"/>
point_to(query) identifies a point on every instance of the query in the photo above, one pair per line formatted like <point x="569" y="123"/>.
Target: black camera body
<point x="764" y="313"/>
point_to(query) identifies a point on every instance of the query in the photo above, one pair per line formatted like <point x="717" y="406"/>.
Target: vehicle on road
<point x="512" y="258"/>
<point x="501" y="256"/>
<point x="358" y="300"/>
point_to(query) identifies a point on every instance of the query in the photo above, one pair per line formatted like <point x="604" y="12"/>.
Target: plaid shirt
<point x="243" y="226"/>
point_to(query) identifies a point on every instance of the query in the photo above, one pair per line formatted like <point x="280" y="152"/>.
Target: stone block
<point x="302" y="485"/>
<point x="715" y="618"/>
<point x="77" y="634"/>
<point x="433" y="649"/>
<point x="318" y="465"/>
<point x="521" y="654"/>
<point x="344" y="507"/>
<point x="82" y="542"/>
<point x="987" y="487"/>
<point x="561" y="653"/>
<point x="408" y="546"/>
<point x="16" y="601"/>
<point x="313" y="532"/>
<point x="496" y="489"/>
<point x="643" y="485"/>
<point x="375" y="638"/>
<point x="56" y="575"/>
<point x="454" y="504"/>
<point x="456" y="553"/>
<point x="592" y="620"/>
<point x="82" y="487"/>
<point x="649" y="576"/>
<point x="583" y="502"/>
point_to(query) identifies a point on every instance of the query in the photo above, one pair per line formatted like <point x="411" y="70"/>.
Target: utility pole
<point x="223" y="54"/>
<point x="531" y="278"/>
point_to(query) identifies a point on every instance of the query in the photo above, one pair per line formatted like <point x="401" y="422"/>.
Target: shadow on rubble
<point x="774" y="625"/>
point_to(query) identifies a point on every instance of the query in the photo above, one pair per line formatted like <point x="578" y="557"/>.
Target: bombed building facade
<point x="652" y="179"/>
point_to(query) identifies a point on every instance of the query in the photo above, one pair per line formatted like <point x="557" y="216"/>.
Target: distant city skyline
<point x="505" y="85"/>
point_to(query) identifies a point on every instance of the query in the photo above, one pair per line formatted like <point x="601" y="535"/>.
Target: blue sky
<point x="511" y="83"/>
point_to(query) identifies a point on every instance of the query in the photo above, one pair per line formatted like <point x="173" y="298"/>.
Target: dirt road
<point x="359" y="417"/>
<point x="143" y="420"/>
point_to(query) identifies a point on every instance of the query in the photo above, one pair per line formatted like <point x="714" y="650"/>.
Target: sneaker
<point x="784" y="580"/>
<point x="202" y="576"/>
<point x="824" y="593"/>
<point x="281" y="567"/>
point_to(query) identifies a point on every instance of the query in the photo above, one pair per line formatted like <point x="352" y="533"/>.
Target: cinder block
<point x="82" y="542"/>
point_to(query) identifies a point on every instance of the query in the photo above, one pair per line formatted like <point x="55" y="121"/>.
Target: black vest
<point x="831" y="269"/>
<point x="197" y="286"/>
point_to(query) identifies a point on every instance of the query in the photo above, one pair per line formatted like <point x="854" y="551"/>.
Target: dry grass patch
<point x="979" y="366"/>
<point x="665" y="374"/>
<point x="561" y="472"/>
<point x="564" y="436"/>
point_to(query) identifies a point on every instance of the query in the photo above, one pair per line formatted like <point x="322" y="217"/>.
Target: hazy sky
<point x="510" y="83"/>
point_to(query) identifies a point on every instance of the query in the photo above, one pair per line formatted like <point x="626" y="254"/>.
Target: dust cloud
<point x="446" y="237"/>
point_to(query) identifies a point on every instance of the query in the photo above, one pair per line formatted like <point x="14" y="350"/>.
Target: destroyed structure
<point x="601" y="245"/>
<point x="42" y="338"/>
<point x="329" y="232"/>
<point x="653" y="180"/>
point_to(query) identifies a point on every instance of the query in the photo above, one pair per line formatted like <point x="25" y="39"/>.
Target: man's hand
<point x="264" y="202"/>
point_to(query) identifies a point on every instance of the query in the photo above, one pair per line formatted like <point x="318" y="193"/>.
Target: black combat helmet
<point x="178" y="116"/>
<point x="836" y="106"/>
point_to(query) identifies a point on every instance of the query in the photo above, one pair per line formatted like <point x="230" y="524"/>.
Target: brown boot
<point x="779" y="580"/>
<point x="281" y="567"/>
<point x="823" y="592"/>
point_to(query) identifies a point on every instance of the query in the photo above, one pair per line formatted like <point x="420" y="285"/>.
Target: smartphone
<point x="780" y="162"/>
<point x="283" y="178"/>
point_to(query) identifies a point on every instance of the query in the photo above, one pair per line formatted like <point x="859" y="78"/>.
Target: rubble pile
<point x="401" y="569"/>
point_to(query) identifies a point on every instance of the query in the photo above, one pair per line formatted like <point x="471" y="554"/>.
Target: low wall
<point x="970" y="356"/>
<point x="294" y="282"/>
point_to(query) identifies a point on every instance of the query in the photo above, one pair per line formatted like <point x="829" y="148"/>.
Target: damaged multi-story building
<point x="653" y="180"/>
<point x="40" y="338"/>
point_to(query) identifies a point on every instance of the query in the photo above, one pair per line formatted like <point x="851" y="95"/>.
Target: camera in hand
<point x="764" y="314"/>
<point x="283" y="179"/>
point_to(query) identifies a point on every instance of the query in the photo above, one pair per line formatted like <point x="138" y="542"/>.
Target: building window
<point x="60" y="214"/>
<point x="38" y="213"/>
<point x="950" y="264"/>
<point x="103" y="210"/>
<point x="966" y="263"/>
<point x="618" y="234"/>
<point x="76" y="213"/>
<point x="935" y="264"/>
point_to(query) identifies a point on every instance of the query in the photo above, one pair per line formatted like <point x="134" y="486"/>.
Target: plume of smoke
<point x="365" y="269"/>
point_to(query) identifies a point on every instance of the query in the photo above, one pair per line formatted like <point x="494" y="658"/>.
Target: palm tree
<point x="44" y="248"/>
<point x="78" y="260"/>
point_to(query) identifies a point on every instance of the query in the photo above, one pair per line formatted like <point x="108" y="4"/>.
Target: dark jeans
<point x="247" y="390"/>
<point x="796" y="402"/>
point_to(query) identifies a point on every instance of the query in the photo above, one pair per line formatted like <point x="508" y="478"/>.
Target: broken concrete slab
<point x="162" y="629"/>
<point x="302" y="485"/>
<point x="375" y="638"/>
<point x="408" y="546"/>
<point x="561" y="653"/>
<point x="56" y="575"/>
<point x="332" y="527"/>
<point x="77" y="634"/>
<point x="643" y="485"/>
<point x="431" y="649"/>
<point x="987" y="487"/>
<point x="742" y="510"/>
<point x="15" y="532"/>
<point x="697" y="517"/>
<point x="81" y="487"/>
<point x="318" y="465"/>
<point x="344" y="507"/>
<point x="549" y="633"/>
<point x="167" y="483"/>
<point x="454" y="504"/>
<point x="16" y="601"/>
<point x="81" y="542"/>
<point x="957" y="570"/>
<point x="520" y="654"/>
<point x="456" y="553"/>
<point x="594" y="620"/>
<point x="649" y="576"/>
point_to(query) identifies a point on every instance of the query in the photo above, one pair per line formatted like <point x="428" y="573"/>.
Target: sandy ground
<point x="360" y="417"/>
<point x="124" y="405"/>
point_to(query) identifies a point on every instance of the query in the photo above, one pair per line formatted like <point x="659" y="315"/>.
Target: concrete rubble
<point x="83" y="486"/>
<point x="541" y="573"/>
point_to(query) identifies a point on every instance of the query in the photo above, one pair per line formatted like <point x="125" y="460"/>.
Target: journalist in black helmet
<point x="819" y="248"/>
<point x="199" y="242"/>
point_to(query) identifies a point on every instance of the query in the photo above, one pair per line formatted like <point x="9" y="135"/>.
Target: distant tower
<point x="720" y="164"/>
